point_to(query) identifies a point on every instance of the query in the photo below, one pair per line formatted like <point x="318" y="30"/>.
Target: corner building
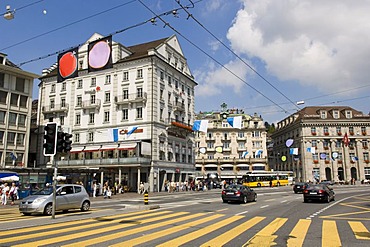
<point x="227" y="151"/>
<point x="150" y="89"/>
<point x="332" y="144"/>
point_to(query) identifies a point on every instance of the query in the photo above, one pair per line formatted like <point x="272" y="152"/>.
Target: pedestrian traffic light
<point x="60" y="142"/>
<point x="50" y="139"/>
<point x="67" y="142"/>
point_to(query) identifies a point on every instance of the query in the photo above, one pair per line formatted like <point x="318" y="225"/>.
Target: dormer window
<point x="348" y="114"/>
<point x="323" y="114"/>
<point x="335" y="114"/>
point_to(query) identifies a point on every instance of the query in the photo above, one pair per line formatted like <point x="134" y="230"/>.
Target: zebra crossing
<point x="170" y="228"/>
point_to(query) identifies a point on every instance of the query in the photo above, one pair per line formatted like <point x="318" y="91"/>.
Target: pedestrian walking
<point x="94" y="189"/>
<point x="141" y="188"/>
<point x="4" y="194"/>
<point x="13" y="193"/>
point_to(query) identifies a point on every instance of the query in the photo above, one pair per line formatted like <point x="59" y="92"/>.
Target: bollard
<point x="146" y="198"/>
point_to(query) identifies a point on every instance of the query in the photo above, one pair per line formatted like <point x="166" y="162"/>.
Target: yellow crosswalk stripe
<point x="98" y="228"/>
<point x="265" y="237"/>
<point x="116" y="235"/>
<point x="298" y="234"/>
<point x="359" y="230"/>
<point x="175" y="229"/>
<point x="330" y="235"/>
<point x="60" y="225"/>
<point x="231" y="234"/>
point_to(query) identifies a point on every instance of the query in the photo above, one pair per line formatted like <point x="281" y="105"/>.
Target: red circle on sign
<point x="67" y="64"/>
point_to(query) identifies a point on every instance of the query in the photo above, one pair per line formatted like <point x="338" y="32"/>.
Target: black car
<point x="299" y="187"/>
<point x="319" y="192"/>
<point x="238" y="193"/>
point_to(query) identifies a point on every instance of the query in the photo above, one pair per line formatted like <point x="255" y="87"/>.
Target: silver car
<point x="68" y="196"/>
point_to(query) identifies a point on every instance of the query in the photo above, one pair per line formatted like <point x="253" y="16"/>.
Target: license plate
<point x="313" y="193"/>
<point x="230" y="193"/>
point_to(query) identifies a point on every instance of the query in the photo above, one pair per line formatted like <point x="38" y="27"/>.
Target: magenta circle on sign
<point x="289" y="142"/>
<point x="99" y="55"/>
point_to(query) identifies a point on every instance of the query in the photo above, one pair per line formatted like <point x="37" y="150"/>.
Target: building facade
<point x="130" y="123"/>
<point x="326" y="143"/>
<point x="15" y="113"/>
<point x="230" y="152"/>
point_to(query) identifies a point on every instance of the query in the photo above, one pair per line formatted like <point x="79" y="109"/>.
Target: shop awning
<point x="227" y="165"/>
<point x="77" y="149"/>
<point x="242" y="165"/>
<point x="197" y="165"/>
<point x="254" y="165"/>
<point x="210" y="165"/>
<point x="109" y="147"/>
<point x="127" y="146"/>
<point x="91" y="148"/>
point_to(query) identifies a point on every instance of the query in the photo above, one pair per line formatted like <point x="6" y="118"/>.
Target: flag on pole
<point x="311" y="150"/>
<point x="345" y="139"/>
<point x="114" y="135"/>
<point x="354" y="159"/>
<point x="13" y="156"/>
<point x="235" y="122"/>
<point x="200" y="125"/>
<point x="259" y="152"/>
<point x="244" y="154"/>
<point x="294" y="151"/>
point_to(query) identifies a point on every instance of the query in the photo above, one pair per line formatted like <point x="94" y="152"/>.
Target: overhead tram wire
<point x="219" y="63"/>
<point x="236" y="55"/>
<point x="25" y="6"/>
<point x="113" y="33"/>
<point x="67" y="25"/>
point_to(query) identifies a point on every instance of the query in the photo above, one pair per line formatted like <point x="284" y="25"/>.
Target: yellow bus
<point x="263" y="178"/>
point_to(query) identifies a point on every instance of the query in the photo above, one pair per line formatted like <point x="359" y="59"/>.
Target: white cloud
<point x="215" y="80"/>
<point x="323" y="44"/>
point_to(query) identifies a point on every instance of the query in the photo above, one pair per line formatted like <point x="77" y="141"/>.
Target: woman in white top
<point x="13" y="193"/>
<point x="4" y="194"/>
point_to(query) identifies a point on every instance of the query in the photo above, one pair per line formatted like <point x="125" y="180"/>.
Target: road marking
<point x="298" y="234"/>
<point x="359" y="230"/>
<point x="231" y="234"/>
<point x="265" y="237"/>
<point x="265" y="206"/>
<point x="184" y="238"/>
<point x="96" y="228"/>
<point x="330" y="235"/>
<point x="283" y="201"/>
<point x="244" y="212"/>
<point x="224" y="209"/>
<point x="109" y="236"/>
<point x="269" y="200"/>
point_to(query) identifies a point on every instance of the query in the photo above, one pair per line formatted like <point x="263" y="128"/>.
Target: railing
<point x="127" y="98"/>
<point x="55" y="108"/>
<point x="178" y="106"/>
<point x="99" y="162"/>
<point x="90" y="104"/>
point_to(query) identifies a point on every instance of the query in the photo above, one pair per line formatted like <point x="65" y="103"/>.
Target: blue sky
<point x="315" y="51"/>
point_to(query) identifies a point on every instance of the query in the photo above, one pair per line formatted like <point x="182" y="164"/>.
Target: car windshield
<point x="45" y="191"/>
<point x="234" y="187"/>
<point x="316" y="187"/>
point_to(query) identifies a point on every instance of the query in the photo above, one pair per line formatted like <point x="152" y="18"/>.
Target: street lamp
<point x="9" y="14"/>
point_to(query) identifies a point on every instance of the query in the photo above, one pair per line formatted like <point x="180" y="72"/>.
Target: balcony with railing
<point x="90" y="104"/>
<point x="179" y="106"/>
<point x="130" y="98"/>
<point x="180" y="124"/>
<point x="55" y="108"/>
<point x="104" y="162"/>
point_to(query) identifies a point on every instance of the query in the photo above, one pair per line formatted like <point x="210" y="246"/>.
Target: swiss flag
<point x="345" y="139"/>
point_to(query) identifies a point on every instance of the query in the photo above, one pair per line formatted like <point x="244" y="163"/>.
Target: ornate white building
<point x="150" y="88"/>
<point x="15" y="113"/>
<point x="320" y="136"/>
<point x="230" y="152"/>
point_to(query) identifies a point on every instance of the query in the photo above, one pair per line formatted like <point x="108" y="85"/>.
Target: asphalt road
<point x="279" y="217"/>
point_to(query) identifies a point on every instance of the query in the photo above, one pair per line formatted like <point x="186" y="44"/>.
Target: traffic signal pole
<point x="54" y="186"/>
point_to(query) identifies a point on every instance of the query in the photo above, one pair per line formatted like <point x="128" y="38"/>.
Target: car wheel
<point x="85" y="206"/>
<point x="224" y="201"/>
<point x="328" y="199"/>
<point x="48" y="210"/>
<point x="255" y="198"/>
<point x="245" y="199"/>
<point x="258" y="185"/>
<point x="278" y="183"/>
<point x="305" y="200"/>
<point x="296" y="192"/>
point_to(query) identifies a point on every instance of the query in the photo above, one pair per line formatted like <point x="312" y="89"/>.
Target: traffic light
<point x="67" y="142"/>
<point x="50" y="139"/>
<point x="60" y="142"/>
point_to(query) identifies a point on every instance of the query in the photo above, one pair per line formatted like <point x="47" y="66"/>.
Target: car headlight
<point x="39" y="200"/>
